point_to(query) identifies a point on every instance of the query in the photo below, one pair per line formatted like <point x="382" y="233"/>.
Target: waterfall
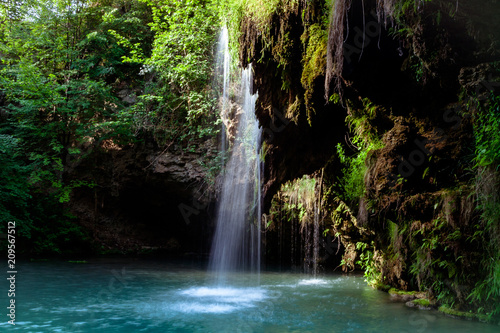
<point x="222" y="82"/>
<point x="236" y="243"/>
<point x="315" y="254"/>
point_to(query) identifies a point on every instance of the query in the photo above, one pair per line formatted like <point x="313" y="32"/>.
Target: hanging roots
<point x="337" y="35"/>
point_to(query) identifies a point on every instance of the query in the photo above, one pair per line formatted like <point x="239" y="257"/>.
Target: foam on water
<point x="240" y="294"/>
<point x="218" y="300"/>
<point x="312" y="282"/>
<point x="204" y="308"/>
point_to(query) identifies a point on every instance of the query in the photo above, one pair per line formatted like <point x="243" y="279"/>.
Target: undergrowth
<point x="295" y="201"/>
<point x="364" y="138"/>
<point x="487" y="165"/>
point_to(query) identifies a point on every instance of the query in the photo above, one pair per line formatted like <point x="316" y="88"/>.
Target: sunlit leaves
<point x="58" y="76"/>
<point x="487" y="134"/>
<point x="182" y="57"/>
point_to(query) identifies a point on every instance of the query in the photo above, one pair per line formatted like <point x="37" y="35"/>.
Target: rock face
<point x="411" y="90"/>
<point x="147" y="200"/>
<point x="297" y="141"/>
<point x="404" y="74"/>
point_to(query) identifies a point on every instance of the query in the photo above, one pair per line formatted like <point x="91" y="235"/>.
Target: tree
<point x="60" y="74"/>
<point x="180" y="98"/>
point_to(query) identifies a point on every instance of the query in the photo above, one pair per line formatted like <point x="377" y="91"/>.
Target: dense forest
<point x="381" y="134"/>
<point x="81" y="78"/>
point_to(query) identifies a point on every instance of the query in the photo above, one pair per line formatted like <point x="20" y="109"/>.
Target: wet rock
<point x="145" y="197"/>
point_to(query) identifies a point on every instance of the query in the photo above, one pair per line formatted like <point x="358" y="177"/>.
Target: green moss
<point x="462" y="314"/>
<point x="422" y="302"/>
<point x="362" y="118"/>
<point x="334" y="98"/>
<point x="394" y="291"/>
<point x="78" y="261"/>
<point x="282" y="50"/>
<point x="314" y="61"/>
<point x="392" y="231"/>
<point x="261" y="11"/>
<point x="293" y="110"/>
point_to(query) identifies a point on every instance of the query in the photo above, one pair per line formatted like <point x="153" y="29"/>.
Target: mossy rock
<point x="394" y="291"/>
<point x="405" y="296"/>
<point x="462" y="314"/>
<point x="420" y="303"/>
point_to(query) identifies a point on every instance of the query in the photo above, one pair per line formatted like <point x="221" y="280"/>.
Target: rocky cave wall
<point x="146" y="200"/>
<point x="417" y="65"/>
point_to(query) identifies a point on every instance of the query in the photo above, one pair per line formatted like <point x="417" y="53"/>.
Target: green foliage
<point x="341" y="213"/>
<point x="487" y="135"/>
<point x="349" y="188"/>
<point x="361" y="121"/>
<point x="260" y="11"/>
<point x="352" y="182"/>
<point x="295" y="201"/>
<point x="432" y="263"/>
<point x="179" y="104"/>
<point x="213" y="166"/>
<point x="364" y="139"/>
<point x="409" y="5"/>
<point x="436" y="263"/>
<point x="367" y="263"/>
<point x="314" y="62"/>
<point x="487" y="291"/>
<point x="66" y="68"/>
<point x="487" y="165"/>
<point x="14" y="187"/>
<point x="60" y="74"/>
<point x="239" y="15"/>
<point x="54" y="230"/>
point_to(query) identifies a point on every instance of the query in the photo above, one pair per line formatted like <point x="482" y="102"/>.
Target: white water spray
<point x="222" y="71"/>
<point x="236" y="243"/>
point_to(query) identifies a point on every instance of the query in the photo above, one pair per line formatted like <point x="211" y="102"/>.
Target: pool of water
<point x="139" y="296"/>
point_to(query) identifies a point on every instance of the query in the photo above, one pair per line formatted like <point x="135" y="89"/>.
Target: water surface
<point x="147" y="296"/>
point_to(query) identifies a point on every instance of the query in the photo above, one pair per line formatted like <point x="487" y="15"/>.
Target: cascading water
<point x="236" y="243"/>
<point x="222" y="81"/>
